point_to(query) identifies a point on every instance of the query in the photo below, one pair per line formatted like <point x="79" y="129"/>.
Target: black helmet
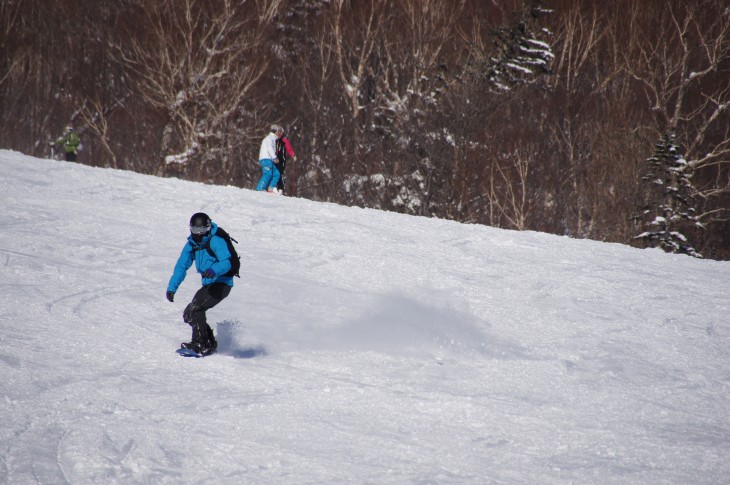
<point x="199" y="224"/>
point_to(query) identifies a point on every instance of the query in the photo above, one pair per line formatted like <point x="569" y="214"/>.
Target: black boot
<point x="194" y="346"/>
<point x="199" y="339"/>
<point x="207" y="342"/>
<point x="211" y="339"/>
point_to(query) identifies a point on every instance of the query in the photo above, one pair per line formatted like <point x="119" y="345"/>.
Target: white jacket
<point x="268" y="147"/>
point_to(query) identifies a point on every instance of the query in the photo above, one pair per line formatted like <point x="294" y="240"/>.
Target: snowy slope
<point x="358" y="347"/>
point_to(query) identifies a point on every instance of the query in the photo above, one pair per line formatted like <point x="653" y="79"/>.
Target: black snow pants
<point x="194" y="315"/>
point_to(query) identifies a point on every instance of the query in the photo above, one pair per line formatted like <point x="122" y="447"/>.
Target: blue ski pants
<point x="270" y="176"/>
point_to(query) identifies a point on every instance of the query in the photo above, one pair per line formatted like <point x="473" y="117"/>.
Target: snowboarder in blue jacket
<point x="212" y="265"/>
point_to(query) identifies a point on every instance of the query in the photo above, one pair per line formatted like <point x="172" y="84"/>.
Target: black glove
<point x="170" y="296"/>
<point x="209" y="273"/>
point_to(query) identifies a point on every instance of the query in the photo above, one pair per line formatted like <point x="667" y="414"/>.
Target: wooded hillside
<point x="608" y="121"/>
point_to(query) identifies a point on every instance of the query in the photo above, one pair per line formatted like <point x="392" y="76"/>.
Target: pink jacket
<point x="289" y="149"/>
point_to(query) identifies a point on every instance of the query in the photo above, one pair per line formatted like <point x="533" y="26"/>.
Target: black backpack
<point x="281" y="153"/>
<point x="235" y="258"/>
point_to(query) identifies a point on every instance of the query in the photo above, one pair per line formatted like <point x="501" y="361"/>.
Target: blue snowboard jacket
<point x="193" y="251"/>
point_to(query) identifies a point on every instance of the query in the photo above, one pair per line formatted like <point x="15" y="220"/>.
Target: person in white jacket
<point x="267" y="159"/>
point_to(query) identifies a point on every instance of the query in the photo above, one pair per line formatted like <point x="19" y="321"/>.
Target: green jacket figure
<point x="71" y="143"/>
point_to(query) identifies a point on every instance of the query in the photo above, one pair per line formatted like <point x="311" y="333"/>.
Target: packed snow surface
<point x="359" y="346"/>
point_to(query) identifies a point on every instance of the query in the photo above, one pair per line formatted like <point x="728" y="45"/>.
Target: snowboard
<point x="189" y="353"/>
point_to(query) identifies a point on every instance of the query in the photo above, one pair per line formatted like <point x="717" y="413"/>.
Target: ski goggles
<point x="198" y="230"/>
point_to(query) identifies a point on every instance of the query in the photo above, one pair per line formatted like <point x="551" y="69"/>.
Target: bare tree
<point x="579" y="35"/>
<point x="508" y="188"/>
<point x="356" y="28"/>
<point x="684" y="71"/>
<point x="316" y="70"/>
<point x="411" y="78"/>
<point x="410" y="59"/>
<point x="10" y="60"/>
<point x="197" y="61"/>
<point x="96" y="119"/>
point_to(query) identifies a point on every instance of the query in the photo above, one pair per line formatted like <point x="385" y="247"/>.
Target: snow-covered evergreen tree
<point x="668" y="211"/>
<point x="523" y="53"/>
